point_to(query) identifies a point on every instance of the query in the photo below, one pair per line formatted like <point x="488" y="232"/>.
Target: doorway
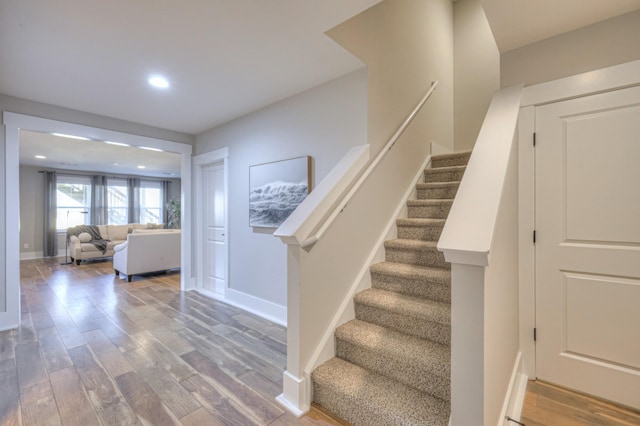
<point x="212" y="252"/>
<point x="587" y="249"/>
<point x="10" y="309"/>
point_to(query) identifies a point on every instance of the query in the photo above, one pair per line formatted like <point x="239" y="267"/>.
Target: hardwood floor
<point x="93" y="349"/>
<point x="549" y="405"/>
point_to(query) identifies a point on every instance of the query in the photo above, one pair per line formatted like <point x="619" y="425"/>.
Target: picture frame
<point x="276" y="189"/>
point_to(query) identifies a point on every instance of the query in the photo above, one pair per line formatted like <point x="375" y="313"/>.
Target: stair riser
<point x="437" y="291"/>
<point x="446" y="193"/>
<point x="347" y="408"/>
<point x="409" y="325"/>
<point x="459" y="160"/>
<point x="431" y="257"/>
<point x="436" y="175"/>
<point x="425" y="233"/>
<point x="439" y="211"/>
<point x="395" y="368"/>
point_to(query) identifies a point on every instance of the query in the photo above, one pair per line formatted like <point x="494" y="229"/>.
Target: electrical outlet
<point x="26" y="245"/>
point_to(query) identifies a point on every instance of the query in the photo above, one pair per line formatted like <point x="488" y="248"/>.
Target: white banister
<point x="289" y="230"/>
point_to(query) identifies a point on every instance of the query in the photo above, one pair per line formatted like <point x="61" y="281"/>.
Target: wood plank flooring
<point x="95" y="350"/>
<point x="549" y="405"/>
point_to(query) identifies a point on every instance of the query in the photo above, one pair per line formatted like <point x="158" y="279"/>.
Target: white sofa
<point x="147" y="251"/>
<point x="117" y="234"/>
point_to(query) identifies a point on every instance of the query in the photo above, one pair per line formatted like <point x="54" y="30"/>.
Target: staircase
<point x="392" y="364"/>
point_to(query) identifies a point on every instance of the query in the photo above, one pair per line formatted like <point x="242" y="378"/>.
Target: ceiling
<point x="224" y="59"/>
<point x="96" y="156"/>
<point x="516" y="23"/>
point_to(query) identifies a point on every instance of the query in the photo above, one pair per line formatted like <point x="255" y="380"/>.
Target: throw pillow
<point x="84" y="237"/>
<point x="155" y="225"/>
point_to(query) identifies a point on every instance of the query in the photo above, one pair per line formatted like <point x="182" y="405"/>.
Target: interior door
<point x="215" y="253"/>
<point x="588" y="245"/>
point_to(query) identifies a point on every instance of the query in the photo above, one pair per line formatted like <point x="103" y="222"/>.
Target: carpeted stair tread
<point x="413" y="280"/>
<point x="363" y="397"/>
<point x="411" y="360"/>
<point x="420" y="221"/>
<point x="455" y="159"/>
<point x="419" y="228"/>
<point x="406" y="305"/>
<point x="444" y="174"/>
<point x="432" y="209"/>
<point x="418" y="252"/>
<point x="437" y="190"/>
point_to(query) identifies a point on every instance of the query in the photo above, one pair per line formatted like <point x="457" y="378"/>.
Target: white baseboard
<point x="260" y="307"/>
<point x="346" y="312"/>
<point x="294" y="397"/>
<point x="514" y="399"/>
<point x="30" y="255"/>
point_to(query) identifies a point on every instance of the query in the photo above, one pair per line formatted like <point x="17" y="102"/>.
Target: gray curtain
<point x="134" y="200"/>
<point x="50" y="214"/>
<point x="165" y="200"/>
<point x="99" y="211"/>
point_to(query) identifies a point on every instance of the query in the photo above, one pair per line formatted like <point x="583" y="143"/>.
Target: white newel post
<point x="295" y="387"/>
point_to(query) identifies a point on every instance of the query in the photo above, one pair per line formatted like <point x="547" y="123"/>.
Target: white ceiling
<point x="95" y="156"/>
<point x="224" y="58"/>
<point x="516" y="23"/>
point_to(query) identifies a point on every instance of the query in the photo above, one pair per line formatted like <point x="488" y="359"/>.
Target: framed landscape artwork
<point x="276" y="189"/>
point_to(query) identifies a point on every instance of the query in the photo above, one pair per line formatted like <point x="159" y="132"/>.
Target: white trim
<point x="294" y="397"/>
<point x="200" y="162"/>
<point x="526" y="248"/>
<point x="31" y="255"/>
<point x="326" y="348"/>
<point x="316" y="208"/>
<point x="10" y="315"/>
<point x="603" y="80"/>
<point x="260" y="307"/>
<point x="514" y="399"/>
<point x="13" y="123"/>
<point x="468" y="233"/>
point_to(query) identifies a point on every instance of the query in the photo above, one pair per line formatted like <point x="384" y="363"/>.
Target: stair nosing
<point x="424" y="346"/>
<point x="364" y="298"/>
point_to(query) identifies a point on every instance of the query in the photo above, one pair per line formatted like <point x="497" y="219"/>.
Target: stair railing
<point x="310" y="240"/>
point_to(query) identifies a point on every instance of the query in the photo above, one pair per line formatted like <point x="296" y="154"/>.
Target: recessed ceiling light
<point x="159" y="82"/>
<point x="150" y="149"/>
<point x="117" y="143"/>
<point x="141" y="167"/>
<point x="41" y="157"/>
<point x="116" y="164"/>
<point x="62" y="135"/>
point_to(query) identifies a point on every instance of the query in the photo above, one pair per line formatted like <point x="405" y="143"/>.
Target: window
<point x="151" y="202"/>
<point x="73" y="198"/>
<point x="117" y="201"/>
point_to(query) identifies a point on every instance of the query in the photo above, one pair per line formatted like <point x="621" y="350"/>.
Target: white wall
<point x="610" y="42"/>
<point x="476" y="71"/>
<point x="406" y="44"/>
<point x="323" y="122"/>
<point x="31" y="210"/>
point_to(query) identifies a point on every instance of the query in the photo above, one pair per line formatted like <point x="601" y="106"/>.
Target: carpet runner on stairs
<point x="392" y="364"/>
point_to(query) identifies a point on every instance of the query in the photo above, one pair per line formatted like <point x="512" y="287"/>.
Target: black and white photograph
<point x="276" y="189"/>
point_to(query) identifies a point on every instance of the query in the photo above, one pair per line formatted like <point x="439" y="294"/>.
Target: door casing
<point x="200" y="163"/>
<point x="598" y="81"/>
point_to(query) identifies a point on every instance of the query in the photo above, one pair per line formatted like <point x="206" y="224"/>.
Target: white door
<point x="214" y="250"/>
<point x="588" y="245"/>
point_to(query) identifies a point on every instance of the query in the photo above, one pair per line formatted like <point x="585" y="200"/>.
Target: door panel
<point x="588" y="245"/>
<point x="215" y="258"/>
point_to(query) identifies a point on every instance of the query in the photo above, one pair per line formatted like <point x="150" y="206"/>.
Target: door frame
<point x="589" y="83"/>
<point x="13" y="122"/>
<point x="199" y="163"/>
